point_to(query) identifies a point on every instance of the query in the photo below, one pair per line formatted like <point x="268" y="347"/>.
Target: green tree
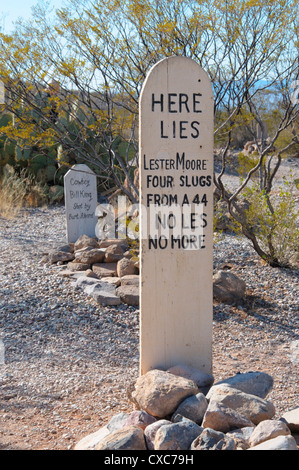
<point x="100" y="53"/>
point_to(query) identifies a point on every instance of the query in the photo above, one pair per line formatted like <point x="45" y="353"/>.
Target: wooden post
<point x="176" y="216"/>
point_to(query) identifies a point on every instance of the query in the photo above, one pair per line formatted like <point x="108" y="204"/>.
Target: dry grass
<point x="17" y="191"/>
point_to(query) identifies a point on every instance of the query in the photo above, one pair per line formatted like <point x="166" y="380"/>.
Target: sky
<point x="11" y="10"/>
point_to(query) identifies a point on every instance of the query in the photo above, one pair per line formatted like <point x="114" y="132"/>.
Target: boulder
<point x="160" y="393"/>
<point x="221" y="418"/>
<point x="254" y="408"/>
<point x="125" y="267"/>
<point x="151" y="431"/>
<point x="202" y="379"/>
<point x="213" y="440"/>
<point x="130" y="280"/>
<point x="112" y="280"/>
<point x="113" y="253"/>
<point x="139" y="418"/>
<point x="59" y="256"/>
<point x="227" y="287"/>
<point x="193" y="408"/>
<point x="85" y="241"/>
<point x="254" y="383"/>
<point x="128" y="438"/>
<point x="117" y="421"/>
<point x="241" y="437"/>
<point x="278" y="443"/>
<point x="268" y="429"/>
<point x="92" y="256"/>
<point x="104" y="297"/>
<point x="104" y="269"/>
<point x="74" y="266"/>
<point x="128" y="294"/>
<point x="177" y="436"/>
<point x="291" y="418"/>
<point x="113" y="241"/>
<point x="91" y="441"/>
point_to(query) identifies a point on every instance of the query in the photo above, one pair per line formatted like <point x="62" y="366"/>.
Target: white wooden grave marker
<point x="176" y="188"/>
<point x="80" y="194"/>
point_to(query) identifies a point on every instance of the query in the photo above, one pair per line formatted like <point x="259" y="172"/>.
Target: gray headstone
<point x="80" y="192"/>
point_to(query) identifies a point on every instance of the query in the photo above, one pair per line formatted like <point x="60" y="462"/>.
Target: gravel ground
<point x="68" y="361"/>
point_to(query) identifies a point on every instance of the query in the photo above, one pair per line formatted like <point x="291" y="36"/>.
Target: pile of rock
<point x="104" y="270"/>
<point x="182" y="409"/>
<point x="108" y="272"/>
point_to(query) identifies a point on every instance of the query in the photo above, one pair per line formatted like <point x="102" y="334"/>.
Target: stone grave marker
<point x="80" y="191"/>
<point x="176" y="216"/>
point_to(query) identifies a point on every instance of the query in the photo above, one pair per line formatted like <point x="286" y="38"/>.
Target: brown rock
<point x="291" y="418"/>
<point x="139" y="418"/>
<point x="159" y="393"/>
<point x="227" y="287"/>
<point x="268" y="429"/>
<point x="130" y="280"/>
<point x="114" y="241"/>
<point x="125" y="266"/>
<point x="84" y="241"/>
<point x="91" y="256"/>
<point x="113" y="253"/>
<point x="128" y="438"/>
<point x="128" y="294"/>
<point x="221" y="418"/>
<point x="151" y="431"/>
<point x="74" y="266"/>
<point x="104" y="269"/>
<point x="56" y="256"/>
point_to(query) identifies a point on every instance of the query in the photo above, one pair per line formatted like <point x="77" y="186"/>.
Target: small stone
<point x="128" y="438"/>
<point x="227" y="287"/>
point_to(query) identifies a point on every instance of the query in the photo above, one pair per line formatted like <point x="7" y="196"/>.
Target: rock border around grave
<point x="172" y="414"/>
<point x="103" y="269"/>
<point x="110" y="262"/>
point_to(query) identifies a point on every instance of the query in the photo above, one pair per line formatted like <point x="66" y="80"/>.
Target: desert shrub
<point x="274" y="220"/>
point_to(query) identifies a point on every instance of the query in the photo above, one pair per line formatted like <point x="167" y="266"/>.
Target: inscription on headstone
<point x="176" y="168"/>
<point x="80" y="191"/>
